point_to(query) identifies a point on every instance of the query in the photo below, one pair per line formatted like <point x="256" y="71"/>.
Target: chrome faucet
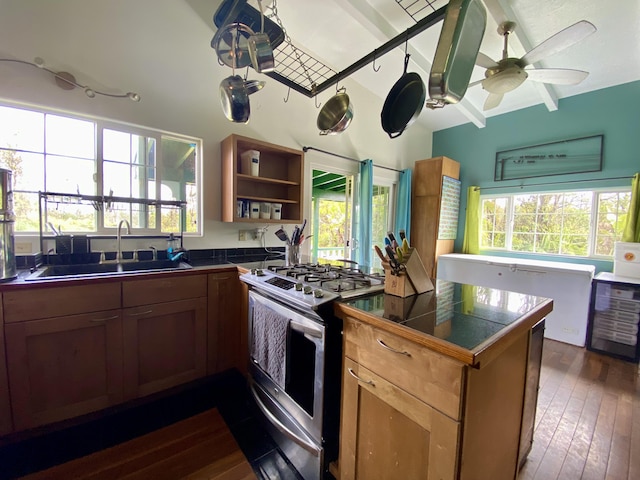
<point x="119" y="252"/>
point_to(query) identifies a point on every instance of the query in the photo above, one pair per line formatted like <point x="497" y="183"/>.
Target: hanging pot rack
<point x="286" y="63"/>
<point x="395" y="42"/>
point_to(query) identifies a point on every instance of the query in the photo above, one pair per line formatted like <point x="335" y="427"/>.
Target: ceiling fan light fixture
<point x="504" y="81"/>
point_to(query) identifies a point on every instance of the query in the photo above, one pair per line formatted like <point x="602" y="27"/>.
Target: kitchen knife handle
<point x="379" y="253"/>
<point x="402" y="234"/>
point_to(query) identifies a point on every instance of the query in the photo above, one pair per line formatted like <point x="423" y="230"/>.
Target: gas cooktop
<point x="315" y="283"/>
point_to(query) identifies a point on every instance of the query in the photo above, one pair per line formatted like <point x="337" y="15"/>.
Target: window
<point x="579" y="223"/>
<point x="68" y="156"/>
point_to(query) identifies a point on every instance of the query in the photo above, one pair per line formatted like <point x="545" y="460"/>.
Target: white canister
<point x="254" y="209"/>
<point x="265" y="210"/>
<point x="250" y="162"/>
<point x="276" y="211"/>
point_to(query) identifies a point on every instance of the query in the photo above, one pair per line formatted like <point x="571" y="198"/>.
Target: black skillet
<point x="403" y="103"/>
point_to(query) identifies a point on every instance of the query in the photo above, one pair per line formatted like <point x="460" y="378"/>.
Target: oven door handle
<point x="306" y="329"/>
<point x="307" y="445"/>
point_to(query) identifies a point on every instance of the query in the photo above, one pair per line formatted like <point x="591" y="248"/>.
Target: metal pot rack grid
<point x="309" y="76"/>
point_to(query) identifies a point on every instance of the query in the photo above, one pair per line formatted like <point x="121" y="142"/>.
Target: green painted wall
<point x="613" y="112"/>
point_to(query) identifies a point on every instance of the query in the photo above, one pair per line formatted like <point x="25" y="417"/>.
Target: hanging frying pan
<point x="403" y="103"/>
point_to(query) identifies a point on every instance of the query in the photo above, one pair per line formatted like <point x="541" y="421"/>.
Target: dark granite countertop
<point x="467" y="317"/>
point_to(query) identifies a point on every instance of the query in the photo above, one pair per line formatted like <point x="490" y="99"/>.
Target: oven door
<point x="287" y="351"/>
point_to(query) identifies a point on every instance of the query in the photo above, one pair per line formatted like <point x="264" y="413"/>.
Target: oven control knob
<point x="318" y="293"/>
<point x="299" y="287"/>
<point x="260" y="273"/>
<point x="253" y="271"/>
<point x="307" y="289"/>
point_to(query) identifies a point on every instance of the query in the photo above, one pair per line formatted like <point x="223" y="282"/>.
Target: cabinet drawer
<point x="429" y="376"/>
<point x="37" y="303"/>
<point x="169" y="288"/>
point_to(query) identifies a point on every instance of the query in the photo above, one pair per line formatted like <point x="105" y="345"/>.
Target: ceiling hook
<point x="406" y="42"/>
<point x="246" y="75"/>
<point x="288" y="92"/>
<point x="315" y="100"/>
<point x="374" y="62"/>
<point x="314" y="87"/>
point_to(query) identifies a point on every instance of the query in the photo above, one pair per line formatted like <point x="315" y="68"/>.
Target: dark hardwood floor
<point x="588" y="417"/>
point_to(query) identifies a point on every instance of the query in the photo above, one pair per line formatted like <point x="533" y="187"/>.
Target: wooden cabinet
<point x="62" y="366"/>
<point x="226" y="326"/>
<point x="6" y="425"/>
<point x="411" y="412"/>
<point x="280" y="179"/>
<point x="426" y="206"/>
<point x="164" y="333"/>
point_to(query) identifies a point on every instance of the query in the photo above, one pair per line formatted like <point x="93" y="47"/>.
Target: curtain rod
<point x="553" y="183"/>
<point x="305" y="149"/>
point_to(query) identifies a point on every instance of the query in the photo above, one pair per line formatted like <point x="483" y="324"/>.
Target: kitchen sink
<point x="104" y="269"/>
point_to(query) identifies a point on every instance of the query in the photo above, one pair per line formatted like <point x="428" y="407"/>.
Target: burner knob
<point x="260" y="273"/>
<point x="253" y="271"/>
<point x="318" y="293"/>
<point x="299" y="287"/>
<point x="307" y="289"/>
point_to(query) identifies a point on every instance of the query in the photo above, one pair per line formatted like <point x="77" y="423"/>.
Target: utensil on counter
<point x="403" y="103"/>
<point x="380" y="254"/>
<point x="260" y="50"/>
<point x="402" y="234"/>
<point x="336" y="114"/>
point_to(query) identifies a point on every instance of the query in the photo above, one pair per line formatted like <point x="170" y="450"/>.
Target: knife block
<point x="412" y="281"/>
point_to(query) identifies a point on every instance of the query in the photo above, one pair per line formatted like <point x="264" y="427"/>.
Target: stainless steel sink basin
<point x="104" y="269"/>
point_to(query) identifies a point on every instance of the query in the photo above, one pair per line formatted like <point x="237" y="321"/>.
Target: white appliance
<point x="568" y="284"/>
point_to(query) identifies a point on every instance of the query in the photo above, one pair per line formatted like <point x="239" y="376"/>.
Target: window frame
<point x="510" y="213"/>
<point x="99" y="125"/>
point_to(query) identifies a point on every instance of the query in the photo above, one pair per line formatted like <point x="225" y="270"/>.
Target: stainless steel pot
<point x="232" y="45"/>
<point x="234" y="98"/>
<point x="7" y="219"/>
<point x="260" y="49"/>
<point x="336" y="115"/>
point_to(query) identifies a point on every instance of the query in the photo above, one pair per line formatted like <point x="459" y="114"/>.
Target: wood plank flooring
<point x="200" y="447"/>
<point x="588" y="417"/>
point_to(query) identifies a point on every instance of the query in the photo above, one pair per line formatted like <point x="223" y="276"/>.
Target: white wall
<point x="161" y="50"/>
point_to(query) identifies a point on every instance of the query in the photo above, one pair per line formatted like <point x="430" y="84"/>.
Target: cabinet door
<point x="225" y="324"/>
<point x="5" y="409"/>
<point x="387" y="433"/>
<point x="165" y="345"/>
<point x="64" y="367"/>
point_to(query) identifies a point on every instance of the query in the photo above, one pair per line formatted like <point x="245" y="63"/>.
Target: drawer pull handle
<point x="384" y="345"/>
<point x="368" y="382"/>
<point x="101" y="320"/>
<point x="140" y="313"/>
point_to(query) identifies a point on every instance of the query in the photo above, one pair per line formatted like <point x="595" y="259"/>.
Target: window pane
<point x="21" y="129"/>
<point x="71" y="217"/>
<point x="70" y="137"/>
<point x="27" y="168"/>
<point x="612" y="213"/>
<point x="115" y="179"/>
<point x="25" y="208"/>
<point x="380" y="221"/>
<point x="116" y="146"/>
<point x="70" y="175"/>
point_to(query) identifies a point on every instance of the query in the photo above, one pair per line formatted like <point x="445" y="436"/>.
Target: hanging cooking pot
<point x="234" y="98"/>
<point x="260" y="50"/>
<point x="403" y="103"/>
<point x="231" y="43"/>
<point x="336" y="115"/>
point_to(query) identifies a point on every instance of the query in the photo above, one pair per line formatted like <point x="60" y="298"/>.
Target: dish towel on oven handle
<point x="269" y="342"/>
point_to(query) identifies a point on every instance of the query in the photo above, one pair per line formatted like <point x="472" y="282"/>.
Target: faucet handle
<point x="155" y="252"/>
<point x="135" y="255"/>
<point x="103" y="257"/>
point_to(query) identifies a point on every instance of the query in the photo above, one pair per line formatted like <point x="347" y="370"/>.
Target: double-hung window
<point x="583" y="223"/>
<point x="60" y="161"/>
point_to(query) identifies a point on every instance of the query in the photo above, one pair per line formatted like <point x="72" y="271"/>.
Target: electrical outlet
<point x="242" y="235"/>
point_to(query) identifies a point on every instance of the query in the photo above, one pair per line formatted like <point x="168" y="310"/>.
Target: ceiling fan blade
<point x="492" y="101"/>
<point x="561" y="40"/>
<point x="485" y="61"/>
<point x="559" y="76"/>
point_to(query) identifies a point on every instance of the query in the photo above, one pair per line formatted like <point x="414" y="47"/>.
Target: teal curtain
<point x="631" y="231"/>
<point x="403" y="211"/>
<point x="362" y="224"/>
<point x="471" y="241"/>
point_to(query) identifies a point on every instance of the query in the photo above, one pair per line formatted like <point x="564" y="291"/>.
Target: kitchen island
<point x="439" y="385"/>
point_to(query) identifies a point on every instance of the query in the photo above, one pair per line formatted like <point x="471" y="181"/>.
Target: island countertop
<point x="471" y="324"/>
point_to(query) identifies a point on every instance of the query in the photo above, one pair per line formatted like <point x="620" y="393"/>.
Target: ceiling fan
<point x="509" y="73"/>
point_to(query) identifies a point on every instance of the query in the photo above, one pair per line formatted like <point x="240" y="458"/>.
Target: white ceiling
<point x="339" y="32"/>
<point x="161" y="47"/>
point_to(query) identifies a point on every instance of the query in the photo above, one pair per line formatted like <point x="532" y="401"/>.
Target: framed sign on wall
<point x="578" y="155"/>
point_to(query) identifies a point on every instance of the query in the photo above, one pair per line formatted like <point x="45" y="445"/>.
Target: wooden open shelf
<point x="280" y="179"/>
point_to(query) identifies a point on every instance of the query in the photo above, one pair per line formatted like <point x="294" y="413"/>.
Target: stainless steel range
<point x="295" y="345"/>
